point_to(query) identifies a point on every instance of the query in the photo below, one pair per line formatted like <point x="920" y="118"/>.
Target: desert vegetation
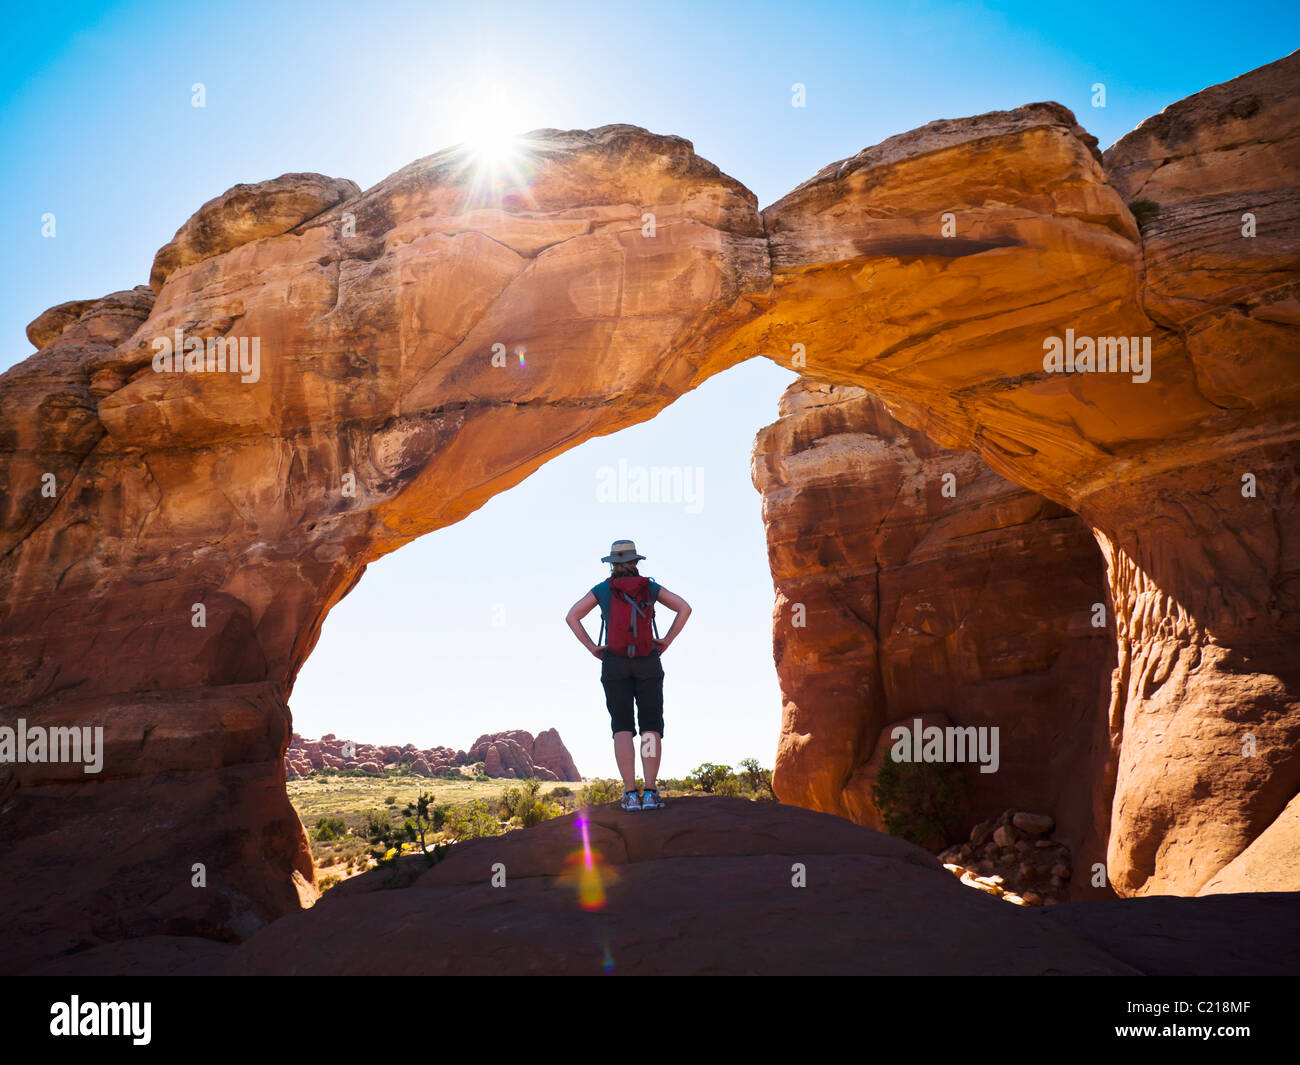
<point x="358" y="820"/>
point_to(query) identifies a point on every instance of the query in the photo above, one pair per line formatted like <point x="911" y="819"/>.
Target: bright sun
<point x="490" y="127"/>
<point x="499" y="162"/>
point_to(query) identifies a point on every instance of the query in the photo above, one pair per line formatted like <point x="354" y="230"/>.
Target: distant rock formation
<point x="505" y="754"/>
<point x="517" y="754"/>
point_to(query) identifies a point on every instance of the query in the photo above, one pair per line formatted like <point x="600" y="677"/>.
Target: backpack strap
<point x="601" y="638"/>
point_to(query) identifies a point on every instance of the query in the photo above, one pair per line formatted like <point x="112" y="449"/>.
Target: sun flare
<point x="495" y="153"/>
<point x="490" y="121"/>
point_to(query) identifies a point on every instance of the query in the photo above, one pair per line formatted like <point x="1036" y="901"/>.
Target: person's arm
<point x="683" y="609"/>
<point x="574" y="617"/>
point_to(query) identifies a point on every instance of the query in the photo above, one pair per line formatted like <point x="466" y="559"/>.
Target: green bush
<point x="708" y="776"/>
<point x="390" y="800"/>
<point x="922" y="802"/>
<point x="525" y="805"/>
<point x="728" y="787"/>
<point x="327" y="882"/>
<point x="328" y="828"/>
<point x="472" y="820"/>
<point x="755" y="780"/>
<point x="378" y="825"/>
<point x="600" y="791"/>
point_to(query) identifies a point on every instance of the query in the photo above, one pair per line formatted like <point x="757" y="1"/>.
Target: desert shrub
<point x="562" y="792"/>
<point x="391" y="800"/>
<point x="351" y="847"/>
<point x="753" y="777"/>
<point x="600" y="791"/>
<point x="423" y="819"/>
<point x="728" y="787"/>
<point x="707" y="777"/>
<point x="922" y="802"/>
<point x="328" y="828"/>
<point x="529" y="808"/>
<point x="507" y="802"/>
<point x="525" y="804"/>
<point x="472" y="820"/>
<point x="327" y="882"/>
<point x="378" y="825"/>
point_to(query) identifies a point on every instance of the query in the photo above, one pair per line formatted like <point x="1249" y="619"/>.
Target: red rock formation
<point x="376" y="412"/>
<point x="247" y="213"/>
<point x="545" y="757"/>
<point x="913" y="581"/>
<point x="550" y="754"/>
<point x="203" y="524"/>
<point x="509" y="754"/>
<point x="951" y="332"/>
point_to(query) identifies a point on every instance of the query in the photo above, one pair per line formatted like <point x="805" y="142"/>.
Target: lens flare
<point x="496" y="162"/>
<point x="587" y="871"/>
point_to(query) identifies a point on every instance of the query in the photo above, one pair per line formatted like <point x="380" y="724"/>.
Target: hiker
<point x="631" y="668"/>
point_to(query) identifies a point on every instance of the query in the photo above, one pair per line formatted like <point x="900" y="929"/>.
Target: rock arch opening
<point x="461" y="632"/>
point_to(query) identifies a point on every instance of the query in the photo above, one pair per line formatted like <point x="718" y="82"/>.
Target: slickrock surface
<point x="1255" y="934"/>
<point x="704" y="886"/>
<point x="172" y="576"/>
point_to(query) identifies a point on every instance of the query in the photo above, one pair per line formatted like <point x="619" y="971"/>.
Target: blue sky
<point x="99" y="130"/>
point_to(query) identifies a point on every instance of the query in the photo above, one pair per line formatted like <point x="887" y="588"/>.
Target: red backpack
<point x="631" y="621"/>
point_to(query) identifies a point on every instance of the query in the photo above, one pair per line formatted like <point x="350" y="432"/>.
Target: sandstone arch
<point x="176" y="489"/>
<point x="1201" y="576"/>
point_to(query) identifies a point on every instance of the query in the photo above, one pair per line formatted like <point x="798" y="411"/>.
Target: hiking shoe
<point x="651" y="800"/>
<point x="631" y="801"/>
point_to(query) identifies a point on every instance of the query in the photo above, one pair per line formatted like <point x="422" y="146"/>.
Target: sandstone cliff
<point x="172" y="541"/>
<point x="913" y="581"/>
<point x="1188" y="479"/>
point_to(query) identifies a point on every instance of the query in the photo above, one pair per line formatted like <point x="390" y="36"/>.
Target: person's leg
<point x="651" y="752"/>
<point x="620" y="691"/>
<point x="649" y="693"/>
<point x="625" y="756"/>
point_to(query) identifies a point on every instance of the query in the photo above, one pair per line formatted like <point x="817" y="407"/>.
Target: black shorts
<point x="628" y="679"/>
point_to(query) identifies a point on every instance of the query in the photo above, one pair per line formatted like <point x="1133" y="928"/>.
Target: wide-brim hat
<point x="622" y="551"/>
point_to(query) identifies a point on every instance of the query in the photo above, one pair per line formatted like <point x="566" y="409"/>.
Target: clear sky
<point x="99" y="130"/>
